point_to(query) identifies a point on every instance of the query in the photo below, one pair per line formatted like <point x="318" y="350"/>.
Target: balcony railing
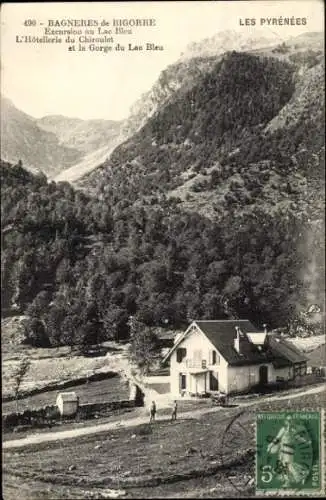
<point x="191" y="363"/>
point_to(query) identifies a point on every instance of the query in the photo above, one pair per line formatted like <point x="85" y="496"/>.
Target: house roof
<point x="67" y="396"/>
<point x="283" y="353"/>
<point x="222" y="333"/>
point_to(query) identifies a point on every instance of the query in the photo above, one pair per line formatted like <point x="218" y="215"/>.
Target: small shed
<point x="67" y="402"/>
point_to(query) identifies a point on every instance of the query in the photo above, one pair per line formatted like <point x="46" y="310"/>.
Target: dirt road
<point x="95" y="429"/>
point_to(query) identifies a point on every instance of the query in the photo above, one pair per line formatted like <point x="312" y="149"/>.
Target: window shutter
<point x="181" y="353"/>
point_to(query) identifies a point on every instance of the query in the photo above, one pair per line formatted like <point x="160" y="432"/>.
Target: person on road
<point x="174" y="411"/>
<point x="152" y="412"/>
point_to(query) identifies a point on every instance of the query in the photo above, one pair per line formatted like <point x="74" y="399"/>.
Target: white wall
<point x="241" y="378"/>
<point x="196" y="340"/>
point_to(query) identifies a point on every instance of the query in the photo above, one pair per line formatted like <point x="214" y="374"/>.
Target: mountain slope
<point x="56" y="144"/>
<point x="84" y="135"/>
<point x="181" y="73"/>
<point x="197" y="60"/>
<point x="22" y="139"/>
<point x="94" y="139"/>
<point x="89" y="162"/>
<point x="198" y="125"/>
<point x="226" y="41"/>
<point x="234" y="108"/>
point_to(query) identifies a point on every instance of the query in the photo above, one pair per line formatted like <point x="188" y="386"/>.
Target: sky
<point x="45" y="79"/>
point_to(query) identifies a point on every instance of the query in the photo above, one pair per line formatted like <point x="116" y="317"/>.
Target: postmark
<point x="289" y="452"/>
<point x="237" y="452"/>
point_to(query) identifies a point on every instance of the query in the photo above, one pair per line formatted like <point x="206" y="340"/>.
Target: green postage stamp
<point x="290" y="452"/>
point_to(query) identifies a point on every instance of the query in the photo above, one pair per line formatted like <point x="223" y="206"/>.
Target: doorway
<point x="213" y="381"/>
<point x="263" y="375"/>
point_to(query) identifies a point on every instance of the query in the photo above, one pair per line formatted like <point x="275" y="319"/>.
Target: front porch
<point x="197" y="382"/>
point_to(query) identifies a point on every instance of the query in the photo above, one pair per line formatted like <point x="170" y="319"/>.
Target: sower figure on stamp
<point x="152" y="412"/>
<point x="289" y="437"/>
<point x="174" y="411"/>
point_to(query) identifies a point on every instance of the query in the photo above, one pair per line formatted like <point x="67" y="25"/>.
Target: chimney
<point x="237" y="340"/>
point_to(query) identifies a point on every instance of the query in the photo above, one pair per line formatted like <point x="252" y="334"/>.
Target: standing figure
<point x="291" y="442"/>
<point x="152" y="412"/>
<point x="174" y="411"/>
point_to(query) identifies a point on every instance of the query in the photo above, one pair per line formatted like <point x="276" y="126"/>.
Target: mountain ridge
<point x="304" y="94"/>
<point x="22" y="139"/>
<point x="55" y="143"/>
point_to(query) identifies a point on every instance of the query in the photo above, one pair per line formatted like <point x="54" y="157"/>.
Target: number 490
<point x="30" y="22"/>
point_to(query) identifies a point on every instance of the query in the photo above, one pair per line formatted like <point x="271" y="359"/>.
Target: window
<point x="182" y="382"/>
<point x="299" y="369"/>
<point x="181" y="354"/>
<point x="215" y="359"/>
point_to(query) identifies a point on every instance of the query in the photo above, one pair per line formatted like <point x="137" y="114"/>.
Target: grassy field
<point x="111" y="389"/>
<point x="49" y="372"/>
<point x="163" y="460"/>
<point x="50" y="367"/>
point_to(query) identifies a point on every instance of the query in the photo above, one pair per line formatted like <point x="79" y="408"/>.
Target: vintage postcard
<point x="162" y="249"/>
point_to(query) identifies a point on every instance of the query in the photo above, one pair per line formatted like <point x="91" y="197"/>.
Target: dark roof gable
<point x="222" y="333"/>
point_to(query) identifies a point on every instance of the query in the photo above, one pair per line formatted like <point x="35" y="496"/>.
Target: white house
<point x="229" y="356"/>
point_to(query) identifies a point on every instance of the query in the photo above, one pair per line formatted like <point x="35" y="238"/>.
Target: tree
<point x="144" y="348"/>
<point x="115" y="323"/>
<point x="18" y="378"/>
<point x="35" y="332"/>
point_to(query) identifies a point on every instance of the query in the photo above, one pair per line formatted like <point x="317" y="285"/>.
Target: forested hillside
<point x="213" y="209"/>
<point x="79" y="267"/>
<point x="218" y="121"/>
<point x="197" y="59"/>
